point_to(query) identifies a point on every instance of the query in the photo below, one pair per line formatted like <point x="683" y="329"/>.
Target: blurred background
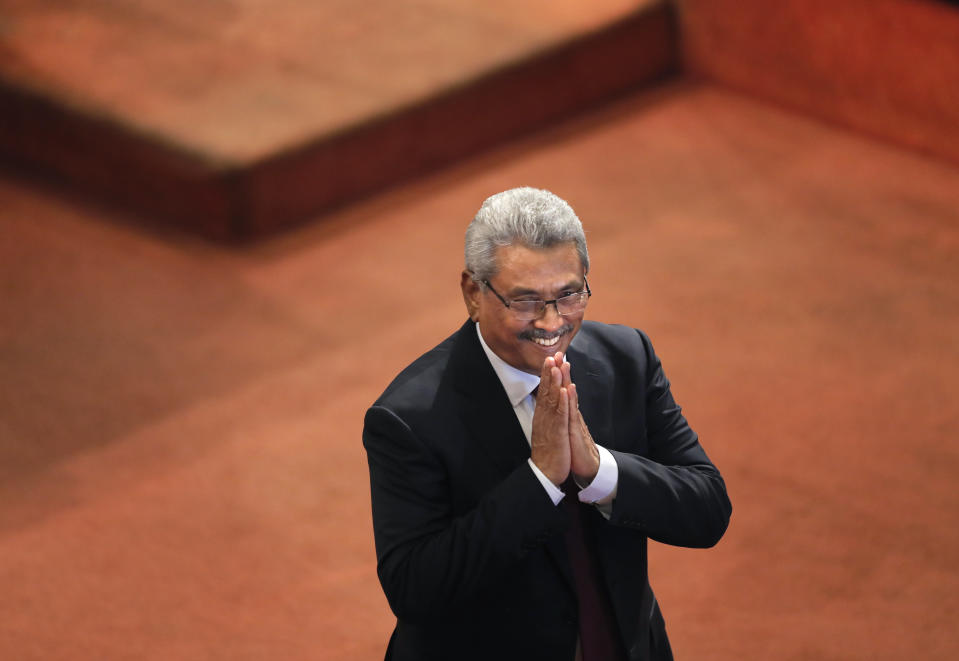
<point x="225" y="225"/>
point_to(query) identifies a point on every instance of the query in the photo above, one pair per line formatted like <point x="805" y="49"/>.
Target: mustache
<point x="540" y="334"/>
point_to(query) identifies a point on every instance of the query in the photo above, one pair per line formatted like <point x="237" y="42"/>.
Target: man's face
<point x="527" y="273"/>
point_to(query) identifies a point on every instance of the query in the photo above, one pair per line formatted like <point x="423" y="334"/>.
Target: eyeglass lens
<point x="565" y="305"/>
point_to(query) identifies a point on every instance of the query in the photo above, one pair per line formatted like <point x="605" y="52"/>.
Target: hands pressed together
<point x="561" y="442"/>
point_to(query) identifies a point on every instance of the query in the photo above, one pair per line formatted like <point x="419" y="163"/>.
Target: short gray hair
<point x="527" y="216"/>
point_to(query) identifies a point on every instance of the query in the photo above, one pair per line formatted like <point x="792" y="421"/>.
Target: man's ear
<point x="471" y="294"/>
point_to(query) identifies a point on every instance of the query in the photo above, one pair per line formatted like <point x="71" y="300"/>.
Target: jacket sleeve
<point x="671" y="491"/>
<point x="430" y="560"/>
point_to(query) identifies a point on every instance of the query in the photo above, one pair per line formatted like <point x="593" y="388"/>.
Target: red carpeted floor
<point x="181" y="473"/>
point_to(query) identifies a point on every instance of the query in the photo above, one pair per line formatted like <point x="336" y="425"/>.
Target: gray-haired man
<point x="518" y="468"/>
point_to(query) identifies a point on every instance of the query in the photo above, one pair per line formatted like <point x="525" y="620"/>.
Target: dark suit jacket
<point x="470" y="549"/>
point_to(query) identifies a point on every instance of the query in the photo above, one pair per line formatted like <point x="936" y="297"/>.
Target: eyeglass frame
<point x="554" y="302"/>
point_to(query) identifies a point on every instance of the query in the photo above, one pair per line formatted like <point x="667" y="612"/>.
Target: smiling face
<point x="527" y="273"/>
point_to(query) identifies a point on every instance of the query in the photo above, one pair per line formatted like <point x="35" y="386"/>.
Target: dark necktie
<point x="598" y="632"/>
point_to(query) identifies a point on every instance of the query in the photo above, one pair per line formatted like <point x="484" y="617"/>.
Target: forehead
<point x="520" y="267"/>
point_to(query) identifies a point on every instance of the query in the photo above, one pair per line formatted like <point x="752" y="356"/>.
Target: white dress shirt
<point x="519" y="386"/>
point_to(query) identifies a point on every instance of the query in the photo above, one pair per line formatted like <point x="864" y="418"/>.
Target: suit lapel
<point x="592" y="388"/>
<point x="484" y="405"/>
<point x="488" y="412"/>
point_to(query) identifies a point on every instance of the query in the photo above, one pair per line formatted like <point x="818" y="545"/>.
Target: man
<point x="518" y="468"/>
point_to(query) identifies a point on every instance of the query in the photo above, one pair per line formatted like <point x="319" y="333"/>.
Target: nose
<point x="550" y="320"/>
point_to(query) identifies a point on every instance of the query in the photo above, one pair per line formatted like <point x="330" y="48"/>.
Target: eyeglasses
<point x="566" y="305"/>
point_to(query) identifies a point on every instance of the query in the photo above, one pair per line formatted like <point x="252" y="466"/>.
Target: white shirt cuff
<point x="554" y="492"/>
<point x="607" y="478"/>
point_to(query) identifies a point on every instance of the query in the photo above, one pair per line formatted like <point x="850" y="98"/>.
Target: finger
<point x="545" y="379"/>
<point x="567" y="379"/>
<point x="555" y="385"/>
<point x="575" y="419"/>
<point x="547" y="367"/>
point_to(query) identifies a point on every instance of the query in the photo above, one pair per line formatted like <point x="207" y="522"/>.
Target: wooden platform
<point x="234" y="119"/>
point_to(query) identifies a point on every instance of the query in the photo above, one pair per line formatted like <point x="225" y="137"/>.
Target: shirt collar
<point x="517" y="383"/>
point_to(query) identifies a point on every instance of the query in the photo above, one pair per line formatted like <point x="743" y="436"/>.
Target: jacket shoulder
<point x="423" y="373"/>
<point x="614" y="341"/>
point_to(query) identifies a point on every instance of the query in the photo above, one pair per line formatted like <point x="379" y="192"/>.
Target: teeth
<point x="546" y="343"/>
